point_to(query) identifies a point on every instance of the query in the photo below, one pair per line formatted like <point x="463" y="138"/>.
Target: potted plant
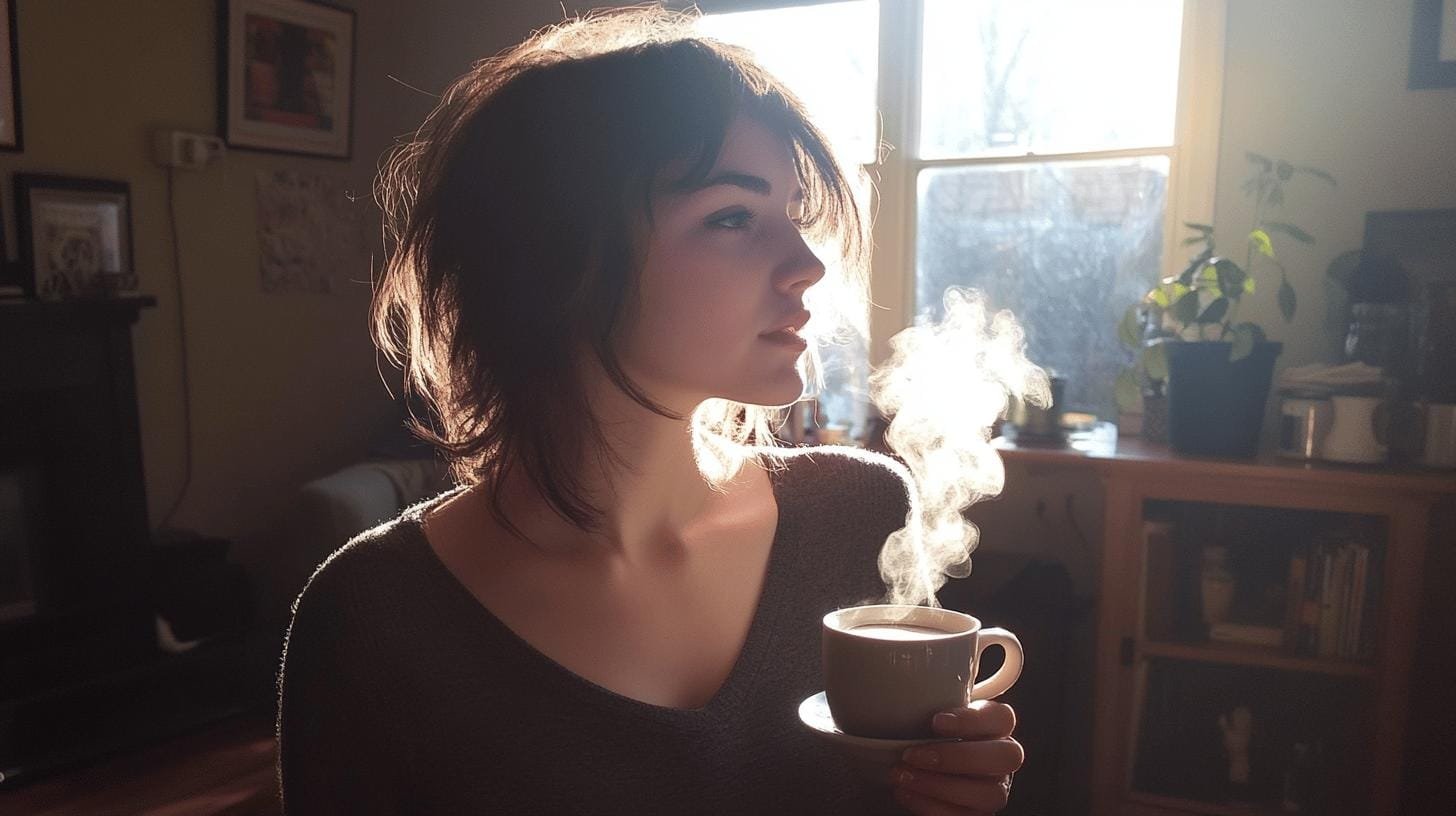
<point x="1216" y="370"/>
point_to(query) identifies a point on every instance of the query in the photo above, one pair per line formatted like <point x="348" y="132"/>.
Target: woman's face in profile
<point x="724" y="274"/>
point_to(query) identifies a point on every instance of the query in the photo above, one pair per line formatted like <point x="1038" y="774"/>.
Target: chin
<point x="778" y="392"/>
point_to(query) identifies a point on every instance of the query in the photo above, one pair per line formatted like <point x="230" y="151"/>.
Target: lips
<point x="792" y="324"/>
<point x="787" y="333"/>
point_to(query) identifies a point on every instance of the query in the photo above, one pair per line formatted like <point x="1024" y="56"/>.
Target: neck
<point x="652" y="498"/>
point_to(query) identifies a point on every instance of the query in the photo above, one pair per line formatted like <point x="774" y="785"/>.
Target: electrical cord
<point x="182" y="337"/>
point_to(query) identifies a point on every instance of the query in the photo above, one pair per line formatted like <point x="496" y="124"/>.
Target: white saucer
<point x="871" y="757"/>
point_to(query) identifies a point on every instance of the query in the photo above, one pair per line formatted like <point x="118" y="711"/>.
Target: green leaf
<point x="1166" y="294"/>
<point x="1289" y="229"/>
<point x="1231" y="278"/>
<point x="1286" y="298"/>
<point x="1126" y="390"/>
<point x="1194" y="239"/>
<point x="1203" y="228"/>
<point x="1215" y="311"/>
<point x="1186" y="309"/>
<point x="1130" y="330"/>
<point x="1252" y="328"/>
<point x="1155" y="361"/>
<point x="1260" y="241"/>
<point x="1186" y="278"/>
<point x="1249" y="285"/>
<point x="1244" y="339"/>
<point x="1284" y="170"/>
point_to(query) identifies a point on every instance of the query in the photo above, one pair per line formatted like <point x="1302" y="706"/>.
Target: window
<point x="1042" y="151"/>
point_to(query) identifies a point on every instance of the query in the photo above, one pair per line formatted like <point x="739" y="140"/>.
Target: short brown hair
<point x="512" y="215"/>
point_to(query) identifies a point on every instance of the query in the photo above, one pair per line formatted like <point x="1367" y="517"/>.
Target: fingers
<point x="977" y="757"/>
<point x="931" y="794"/>
<point x="981" y="720"/>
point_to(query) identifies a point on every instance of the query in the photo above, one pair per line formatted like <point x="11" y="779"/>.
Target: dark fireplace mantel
<point x="70" y="450"/>
<point x="82" y="674"/>
<point x="74" y="536"/>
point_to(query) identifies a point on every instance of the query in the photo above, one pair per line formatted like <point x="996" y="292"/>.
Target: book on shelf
<point x="1334" y="589"/>
<point x="1160" y="581"/>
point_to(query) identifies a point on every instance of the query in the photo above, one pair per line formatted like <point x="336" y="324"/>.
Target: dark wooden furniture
<point x="81" y="673"/>
<point x="227" y="769"/>
<point x="1138" y="477"/>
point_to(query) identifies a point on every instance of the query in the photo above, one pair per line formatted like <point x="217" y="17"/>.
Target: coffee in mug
<point x="889" y="668"/>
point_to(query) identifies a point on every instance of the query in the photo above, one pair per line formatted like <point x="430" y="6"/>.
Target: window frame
<point x="1192" y="157"/>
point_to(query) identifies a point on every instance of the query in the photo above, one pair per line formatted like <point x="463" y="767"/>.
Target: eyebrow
<point x="753" y="184"/>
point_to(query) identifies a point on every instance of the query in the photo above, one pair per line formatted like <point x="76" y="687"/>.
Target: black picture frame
<point x="1430" y="20"/>
<point x="12" y="134"/>
<point x="286" y="77"/>
<point x="75" y="236"/>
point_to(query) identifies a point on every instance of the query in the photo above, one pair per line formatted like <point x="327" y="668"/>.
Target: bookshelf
<point x="1288" y="590"/>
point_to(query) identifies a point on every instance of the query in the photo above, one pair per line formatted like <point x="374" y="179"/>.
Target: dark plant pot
<point x="1215" y="407"/>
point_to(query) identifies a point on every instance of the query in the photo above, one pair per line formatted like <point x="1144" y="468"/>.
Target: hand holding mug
<point x="971" y="775"/>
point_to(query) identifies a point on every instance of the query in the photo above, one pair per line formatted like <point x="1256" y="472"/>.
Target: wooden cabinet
<point x="1328" y="716"/>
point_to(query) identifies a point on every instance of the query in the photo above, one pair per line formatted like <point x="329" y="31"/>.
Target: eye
<point x="736" y="220"/>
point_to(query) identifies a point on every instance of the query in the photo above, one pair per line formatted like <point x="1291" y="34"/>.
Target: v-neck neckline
<point x="758" y="643"/>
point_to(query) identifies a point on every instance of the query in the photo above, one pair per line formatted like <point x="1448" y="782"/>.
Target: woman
<point x="598" y="281"/>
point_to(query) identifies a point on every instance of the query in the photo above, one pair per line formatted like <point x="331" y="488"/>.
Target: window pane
<point x="1010" y="77"/>
<point x="1066" y="246"/>
<point x="827" y="55"/>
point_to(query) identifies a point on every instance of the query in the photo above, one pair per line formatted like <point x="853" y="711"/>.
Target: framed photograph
<point x="75" y="236"/>
<point x="10" y="134"/>
<point x="286" y="77"/>
<point x="1433" y="44"/>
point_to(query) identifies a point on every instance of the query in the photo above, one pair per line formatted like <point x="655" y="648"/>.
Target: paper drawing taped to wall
<point x="311" y="234"/>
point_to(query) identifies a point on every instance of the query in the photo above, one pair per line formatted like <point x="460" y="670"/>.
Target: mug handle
<point x="1006" y="676"/>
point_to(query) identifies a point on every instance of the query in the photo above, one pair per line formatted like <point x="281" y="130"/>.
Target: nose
<point x="802" y="270"/>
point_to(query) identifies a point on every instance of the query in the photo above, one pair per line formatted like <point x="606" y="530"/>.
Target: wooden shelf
<point x="1147" y="804"/>
<point x="1232" y="654"/>
<point x="1131" y="456"/>
<point x="1135" y="476"/>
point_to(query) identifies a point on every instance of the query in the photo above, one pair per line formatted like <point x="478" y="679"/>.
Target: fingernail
<point x="901" y="776"/>
<point x="944" y="721"/>
<point x="924" y="757"/>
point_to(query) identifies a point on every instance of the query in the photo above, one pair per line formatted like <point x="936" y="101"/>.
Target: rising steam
<point x="944" y="385"/>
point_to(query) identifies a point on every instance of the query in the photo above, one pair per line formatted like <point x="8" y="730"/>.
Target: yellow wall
<point x="283" y="387"/>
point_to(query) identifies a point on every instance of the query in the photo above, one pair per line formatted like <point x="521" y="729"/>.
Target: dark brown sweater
<point x="400" y="693"/>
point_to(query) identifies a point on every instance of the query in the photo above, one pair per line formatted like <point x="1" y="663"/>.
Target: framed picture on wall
<point x="10" y="133"/>
<point x="286" y="76"/>
<point x="75" y="236"/>
<point x="1433" y="44"/>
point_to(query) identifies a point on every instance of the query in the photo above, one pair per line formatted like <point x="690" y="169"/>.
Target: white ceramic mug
<point x="1354" y="436"/>
<point x="887" y="686"/>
